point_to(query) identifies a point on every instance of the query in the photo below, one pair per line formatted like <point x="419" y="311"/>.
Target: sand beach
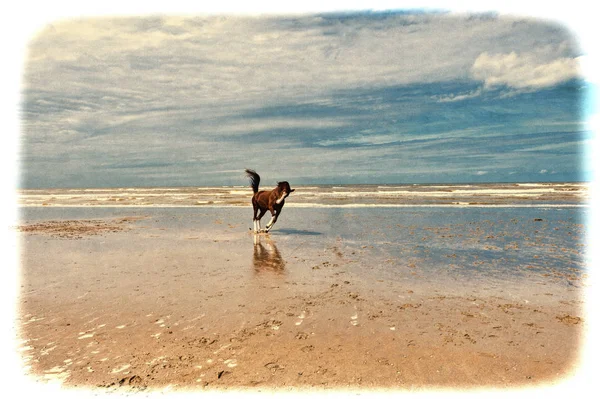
<point x="143" y="298"/>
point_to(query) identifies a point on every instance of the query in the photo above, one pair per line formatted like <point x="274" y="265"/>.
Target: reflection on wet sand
<point x="267" y="257"/>
<point x="426" y="298"/>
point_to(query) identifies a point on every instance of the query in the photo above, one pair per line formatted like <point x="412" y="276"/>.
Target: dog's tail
<point x="254" y="179"/>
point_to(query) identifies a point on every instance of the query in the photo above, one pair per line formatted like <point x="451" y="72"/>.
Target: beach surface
<point x="187" y="298"/>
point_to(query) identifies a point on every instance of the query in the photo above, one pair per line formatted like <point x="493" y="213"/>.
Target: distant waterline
<point x="472" y="195"/>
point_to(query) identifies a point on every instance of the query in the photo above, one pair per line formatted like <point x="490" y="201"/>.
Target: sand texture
<point x="144" y="299"/>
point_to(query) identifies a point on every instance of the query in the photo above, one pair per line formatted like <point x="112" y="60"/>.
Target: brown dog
<point x="262" y="201"/>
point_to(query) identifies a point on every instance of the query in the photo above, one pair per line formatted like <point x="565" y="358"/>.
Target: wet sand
<point x="144" y="299"/>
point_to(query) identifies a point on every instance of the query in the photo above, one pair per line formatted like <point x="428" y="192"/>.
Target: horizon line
<point x="308" y="184"/>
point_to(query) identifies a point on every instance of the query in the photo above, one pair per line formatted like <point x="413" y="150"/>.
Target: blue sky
<point x="339" y="98"/>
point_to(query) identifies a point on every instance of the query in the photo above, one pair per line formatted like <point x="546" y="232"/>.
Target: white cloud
<point x="95" y="88"/>
<point x="361" y="139"/>
<point x="252" y="125"/>
<point x="460" y="97"/>
<point x="214" y="58"/>
<point x="523" y="70"/>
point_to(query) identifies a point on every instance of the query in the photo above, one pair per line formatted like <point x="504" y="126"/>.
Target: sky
<point x="386" y="97"/>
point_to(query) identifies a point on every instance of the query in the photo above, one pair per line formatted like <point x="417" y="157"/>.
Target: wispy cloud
<point x="227" y="57"/>
<point x="170" y="100"/>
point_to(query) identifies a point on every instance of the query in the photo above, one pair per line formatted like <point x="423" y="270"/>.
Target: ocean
<point x="461" y="195"/>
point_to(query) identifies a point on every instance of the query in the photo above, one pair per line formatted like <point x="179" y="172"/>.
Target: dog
<point x="264" y="201"/>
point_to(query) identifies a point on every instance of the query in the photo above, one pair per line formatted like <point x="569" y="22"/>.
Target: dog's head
<point x="284" y="189"/>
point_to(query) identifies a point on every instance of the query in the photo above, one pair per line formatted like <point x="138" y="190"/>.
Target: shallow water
<point x="382" y="243"/>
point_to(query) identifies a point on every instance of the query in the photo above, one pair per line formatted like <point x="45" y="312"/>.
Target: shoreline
<point x="315" y="205"/>
<point x="325" y="196"/>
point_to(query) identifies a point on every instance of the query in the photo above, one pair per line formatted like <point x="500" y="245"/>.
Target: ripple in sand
<point x="120" y="369"/>
<point x="221" y="348"/>
<point x="33" y="319"/>
<point x="55" y="369"/>
<point x="84" y="335"/>
<point x="45" y="351"/>
<point x="157" y="359"/>
<point x="56" y="374"/>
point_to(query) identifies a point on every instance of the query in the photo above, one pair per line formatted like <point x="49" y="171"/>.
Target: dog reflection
<point x="267" y="257"/>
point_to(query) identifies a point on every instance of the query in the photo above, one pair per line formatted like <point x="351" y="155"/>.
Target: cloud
<point x="459" y="97"/>
<point x="211" y="58"/>
<point x="362" y="140"/>
<point x="523" y="70"/>
<point x="112" y="100"/>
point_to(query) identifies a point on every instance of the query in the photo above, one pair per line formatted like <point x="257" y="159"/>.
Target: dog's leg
<point x="274" y="217"/>
<point x="262" y="213"/>
<point x="271" y="223"/>
<point x="254" y="218"/>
